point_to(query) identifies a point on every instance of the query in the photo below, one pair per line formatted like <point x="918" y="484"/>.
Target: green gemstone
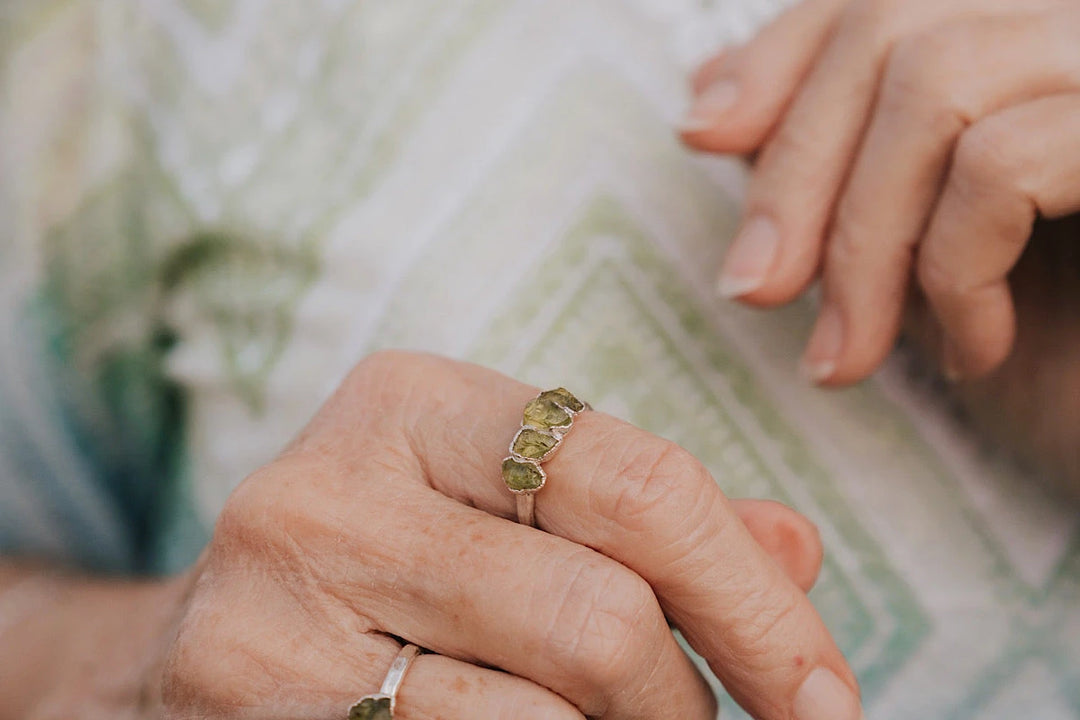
<point x="565" y="398"/>
<point x="371" y="708"/>
<point x="533" y="444"/>
<point x="522" y="476"/>
<point x="543" y="413"/>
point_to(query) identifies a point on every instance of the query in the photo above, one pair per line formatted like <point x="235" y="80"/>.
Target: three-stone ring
<point x="545" y="422"/>
<point x="380" y="705"/>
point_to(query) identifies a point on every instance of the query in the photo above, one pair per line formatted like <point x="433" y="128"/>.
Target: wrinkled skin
<point x="387" y="520"/>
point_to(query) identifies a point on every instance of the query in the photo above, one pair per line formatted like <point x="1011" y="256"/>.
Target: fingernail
<point x="749" y="259"/>
<point x="950" y="363"/>
<point x="709" y="107"/>
<point x="822" y="351"/>
<point x="824" y="696"/>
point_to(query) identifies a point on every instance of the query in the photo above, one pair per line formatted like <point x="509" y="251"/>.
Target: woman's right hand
<point x="388" y="519"/>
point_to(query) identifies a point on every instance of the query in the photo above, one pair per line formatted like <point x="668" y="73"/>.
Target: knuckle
<point x="270" y="513"/>
<point x="914" y="82"/>
<point x="871" y="19"/>
<point x="602" y="624"/>
<point x="852" y="250"/>
<point x="388" y="391"/>
<point x="847" y="247"/>
<point x="246" y="513"/>
<point x="659" y="484"/>
<point x="792" y="140"/>
<point x="935" y="277"/>
<point x="367" y="400"/>
<point x="200" y="677"/>
<point x="986" y="153"/>
<point x="379" y="370"/>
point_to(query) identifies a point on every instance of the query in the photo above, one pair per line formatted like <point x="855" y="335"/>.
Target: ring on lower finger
<point x="380" y="705"/>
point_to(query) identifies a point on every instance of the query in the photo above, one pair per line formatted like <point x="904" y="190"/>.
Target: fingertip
<point x="736" y="133"/>
<point x="824" y="695"/>
<point x="796" y="544"/>
<point x="951" y="363"/>
<point x="819" y="362"/>
<point x="707" y="71"/>
<point x="727" y="113"/>
<point x="976" y="361"/>
<point x="837" y="375"/>
<point x="710" y="108"/>
<point x="980" y="331"/>
<point x="764" y="268"/>
<point x="848" y="344"/>
<point x="789" y="537"/>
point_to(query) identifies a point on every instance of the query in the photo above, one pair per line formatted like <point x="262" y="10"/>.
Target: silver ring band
<point x="526" y="509"/>
<point x="380" y="705"/>
<point x="545" y="422"/>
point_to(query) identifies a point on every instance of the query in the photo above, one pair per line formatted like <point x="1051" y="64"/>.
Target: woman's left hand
<point x="897" y="135"/>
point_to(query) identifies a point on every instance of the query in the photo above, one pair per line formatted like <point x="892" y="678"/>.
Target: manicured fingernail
<point x="824" y="696"/>
<point x="710" y="106"/>
<point x="749" y="258"/>
<point x="823" y="350"/>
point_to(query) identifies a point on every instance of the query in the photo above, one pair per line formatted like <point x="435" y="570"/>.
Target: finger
<point x="1008" y="168"/>
<point x="802" y="168"/>
<point x="935" y="85"/>
<point x="707" y="72"/>
<point x="788" y="537"/>
<point x="442" y="688"/>
<point x="740" y="94"/>
<point x="645" y="503"/>
<point x="280" y="664"/>
<point x="475" y="587"/>
<point x="654" y="508"/>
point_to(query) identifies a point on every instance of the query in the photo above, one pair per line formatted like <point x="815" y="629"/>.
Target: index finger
<point x="648" y="504"/>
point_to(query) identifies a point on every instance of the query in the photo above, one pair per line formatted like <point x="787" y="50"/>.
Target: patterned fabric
<point x="211" y="210"/>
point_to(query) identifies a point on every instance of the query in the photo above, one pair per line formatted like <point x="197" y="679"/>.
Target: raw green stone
<point x="533" y="444"/>
<point x="565" y="398"/>
<point x="543" y="413"/>
<point x="371" y="708"/>
<point x="522" y="476"/>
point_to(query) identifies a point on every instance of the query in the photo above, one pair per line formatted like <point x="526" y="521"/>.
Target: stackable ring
<point x="380" y="705"/>
<point x="545" y="422"/>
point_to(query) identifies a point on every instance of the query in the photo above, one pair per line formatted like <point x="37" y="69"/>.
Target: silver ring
<point x="380" y="705"/>
<point x="545" y="422"/>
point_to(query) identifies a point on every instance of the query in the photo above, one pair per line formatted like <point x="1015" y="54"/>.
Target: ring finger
<point x="443" y="688"/>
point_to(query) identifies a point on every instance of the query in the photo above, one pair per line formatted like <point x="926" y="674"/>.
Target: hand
<point x="897" y="135"/>
<point x="388" y="518"/>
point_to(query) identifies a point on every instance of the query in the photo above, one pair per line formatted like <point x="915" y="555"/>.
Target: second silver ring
<point x="380" y="705"/>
